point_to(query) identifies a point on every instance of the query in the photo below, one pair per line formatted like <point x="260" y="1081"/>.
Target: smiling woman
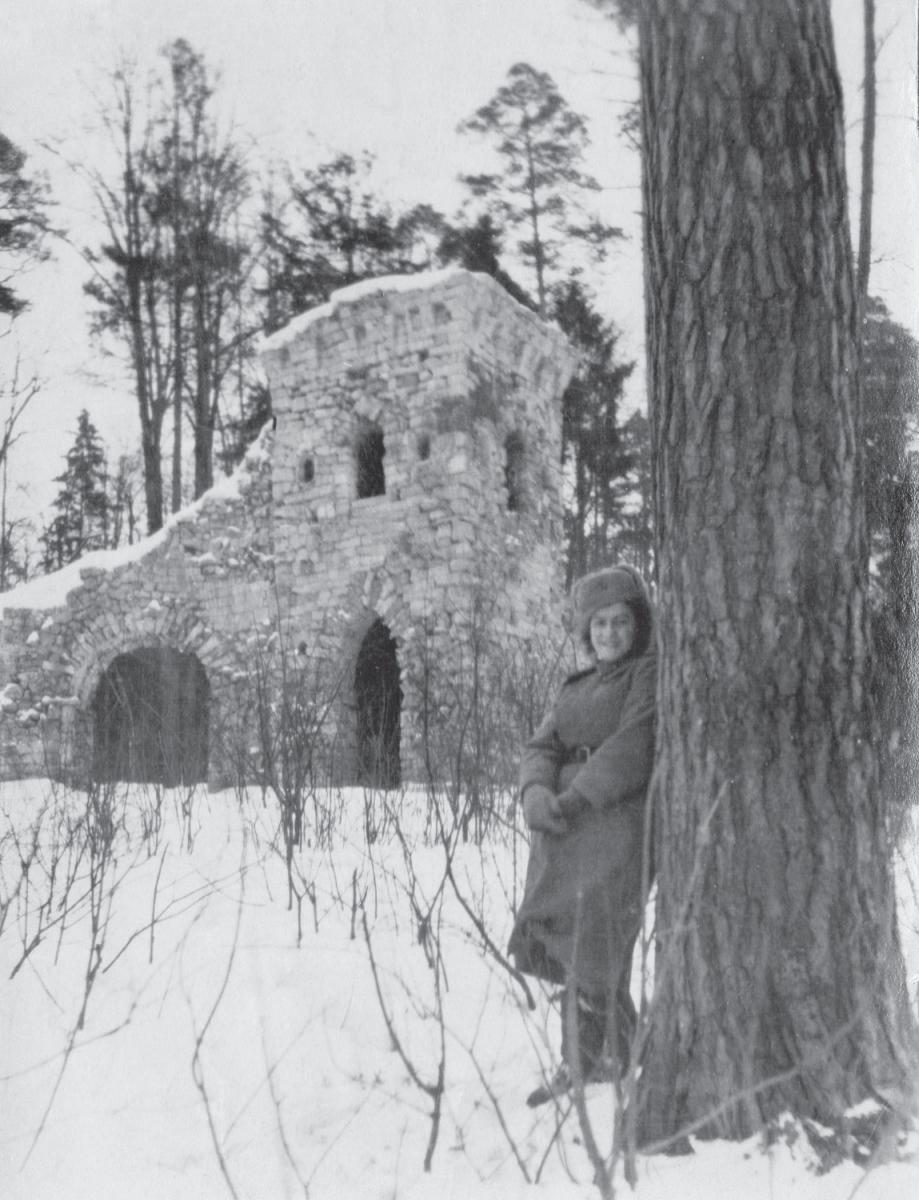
<point x="583" y="779"/>
<point x="612" y="631"/>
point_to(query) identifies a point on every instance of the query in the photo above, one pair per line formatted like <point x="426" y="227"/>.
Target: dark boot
<point x="590" y="1023"/>
<point x="555" y="1087"/>
<point x="584" y="1030"/>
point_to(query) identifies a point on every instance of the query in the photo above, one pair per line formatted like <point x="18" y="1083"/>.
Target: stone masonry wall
<point x="459" y="555"/>
<point x="202" y="585"/>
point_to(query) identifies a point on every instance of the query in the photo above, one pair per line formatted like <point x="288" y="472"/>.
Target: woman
<point x="583" y="781"/>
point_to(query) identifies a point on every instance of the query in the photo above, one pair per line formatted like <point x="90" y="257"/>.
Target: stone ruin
<point x="397" y="532"/>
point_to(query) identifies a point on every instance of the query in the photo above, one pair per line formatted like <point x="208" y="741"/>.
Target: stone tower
<point x="417" y="486"/>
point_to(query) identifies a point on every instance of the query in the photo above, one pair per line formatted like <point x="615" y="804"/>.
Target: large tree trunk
<point x="779" y="982"/>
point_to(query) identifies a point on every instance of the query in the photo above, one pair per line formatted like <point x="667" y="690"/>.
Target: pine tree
<point x="540" y="142"/>
<point x="478" y="247"/>
<point x="238" y="435"/>
<point x="780" y="982"/>
<point x="23" y="223"/>
<point x="82" y="519"/>
<point x="333" y="230"/>
<point x="631" y="533"/>
<point x="591" y="444"/>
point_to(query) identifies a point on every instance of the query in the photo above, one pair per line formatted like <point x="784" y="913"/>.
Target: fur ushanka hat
<point x="599" y="589"/>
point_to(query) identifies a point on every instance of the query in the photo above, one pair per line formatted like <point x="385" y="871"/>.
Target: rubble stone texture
<point x="412" y="484"/>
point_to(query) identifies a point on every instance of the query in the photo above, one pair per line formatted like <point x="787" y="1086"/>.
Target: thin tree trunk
<point x="538" y="256"/>
<point x="204" y="417"/>
<point x="4" y="538"/>
<point x="868" y="138"/>
<point x="149" y="426"/>
<point x="779" y="981"/>
<point x="178" y="271"/>
<point x="136" y="265"/>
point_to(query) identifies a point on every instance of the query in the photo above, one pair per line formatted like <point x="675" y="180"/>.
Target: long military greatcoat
<point x="581" y="906"/>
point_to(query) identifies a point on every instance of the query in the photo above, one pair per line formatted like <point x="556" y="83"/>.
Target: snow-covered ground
<point x="175" y="1024"/>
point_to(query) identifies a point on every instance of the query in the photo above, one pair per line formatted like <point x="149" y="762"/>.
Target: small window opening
<point x="424" y="447"/>
<point x="369" y="451"/>
<point x="513" y="471"/>
<point x="307" y="469"/>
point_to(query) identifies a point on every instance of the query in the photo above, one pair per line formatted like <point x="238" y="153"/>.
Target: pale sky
<point x="306" y="78"/>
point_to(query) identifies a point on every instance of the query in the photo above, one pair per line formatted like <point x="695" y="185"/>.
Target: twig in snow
<point x="156" y="888"/>
<point x="197" y="1070"/>
<point x="499" y="1113"/>
<point x="282" y="1132"/>
<point x="434" y="1090"/>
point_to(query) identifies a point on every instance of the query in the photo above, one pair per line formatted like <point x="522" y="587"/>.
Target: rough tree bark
<point x="779" y="982"/>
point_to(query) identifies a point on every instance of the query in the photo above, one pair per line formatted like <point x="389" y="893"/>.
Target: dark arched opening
<point x="378" y="700"/>
<point x="513" y="471"/>
<point x="151" y="716"/>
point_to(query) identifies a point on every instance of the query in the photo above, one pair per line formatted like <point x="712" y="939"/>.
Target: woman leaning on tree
<point x="584" y="776"/>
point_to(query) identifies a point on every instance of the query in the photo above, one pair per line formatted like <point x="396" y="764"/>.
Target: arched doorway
<point x="378" y="701"/>
<point x="151" y="717"/>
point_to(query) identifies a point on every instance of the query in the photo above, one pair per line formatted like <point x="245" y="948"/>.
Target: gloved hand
<point x="540" y="812"/>
<point x="570" y="804"/>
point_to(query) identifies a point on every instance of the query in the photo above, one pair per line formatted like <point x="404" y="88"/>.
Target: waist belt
<point x="578" y="754"/>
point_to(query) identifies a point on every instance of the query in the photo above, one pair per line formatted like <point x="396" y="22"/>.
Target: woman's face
<point x="612" y="632"/>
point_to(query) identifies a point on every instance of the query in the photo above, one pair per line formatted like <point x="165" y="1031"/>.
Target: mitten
<point x="539" y="811"/>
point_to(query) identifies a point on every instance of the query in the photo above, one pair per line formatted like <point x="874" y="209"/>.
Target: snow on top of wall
<point x="421" y="281"/>
<point x="51" y="591"/>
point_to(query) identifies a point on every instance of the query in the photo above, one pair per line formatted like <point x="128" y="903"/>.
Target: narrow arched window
<point x="513" y="471"/>
<point x="369" y="450"/>
<point x="306" y="470"/>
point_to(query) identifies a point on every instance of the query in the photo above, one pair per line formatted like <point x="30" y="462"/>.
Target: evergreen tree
<point x="23" y="222"/>
<point x="334" y="230"/>
<point x="238" y="435"/>
<point x="82" y="515"/>
<point x="478" y="247"/>
<point x="591" y="444"/>
<point x="14" y="553"/>
<point x="631" y="537"/>
<point x="540" y="142"/>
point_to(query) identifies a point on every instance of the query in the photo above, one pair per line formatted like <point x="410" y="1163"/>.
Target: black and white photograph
<point x="459" y="599"/>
